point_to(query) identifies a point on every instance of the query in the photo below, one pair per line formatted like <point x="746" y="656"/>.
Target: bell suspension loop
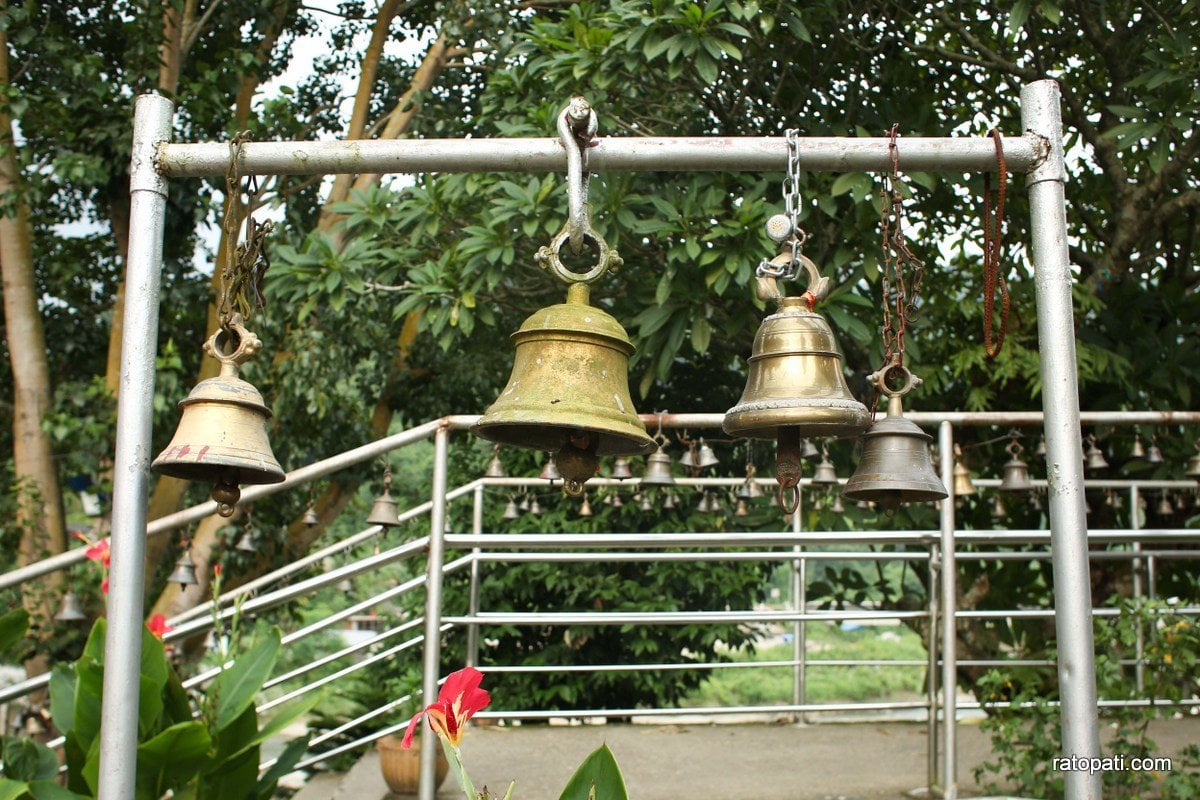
<point x="568" y="392"/>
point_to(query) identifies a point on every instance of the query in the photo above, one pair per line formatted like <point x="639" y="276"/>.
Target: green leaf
<point x="62" y="697"/>
<point x="1018" y="16"/>
<point x="288" y="759"/>
<point x="701" y="334"/>
<point x="172" y="758"/>
<point x="49" y="790"/>
<point x="598" y="776"/>
<point x="845" y="182"/>
<point x="27" y="760"/>
<point x="286" y="716"/>
<point x="11" y="790"/>
<point x="236" y="687"/>
<point x="12" y="628"/>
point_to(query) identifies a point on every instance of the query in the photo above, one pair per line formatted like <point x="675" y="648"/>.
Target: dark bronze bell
<point x="383" y="511"/>
<point x="795" y="380"/>
<point x="621" y="470"/>
<point x="895" y="466"/>
<point x="569" y="390"/>
<point x="1016" y="471"/>
<point x="222" y="435"/>
<point x="1094" y="457"/>
<point x="658" y="470"/>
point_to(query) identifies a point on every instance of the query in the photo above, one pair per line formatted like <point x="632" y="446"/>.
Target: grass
<point x="773" y="685"/>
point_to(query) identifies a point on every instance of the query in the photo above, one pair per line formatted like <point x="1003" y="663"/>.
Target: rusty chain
<point x="245" y="264"/>
<point x="993" y="230"/>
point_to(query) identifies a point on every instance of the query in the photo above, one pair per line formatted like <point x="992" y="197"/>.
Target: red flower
<point x="158" y="625"/>
<point x="100" y="552"/>
<point x="217" y="571"/>
<point x="459" y="699"/>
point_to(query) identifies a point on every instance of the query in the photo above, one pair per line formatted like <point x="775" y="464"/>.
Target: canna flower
<point x="100" y="552"/>
<point x="459" y="699"/>
<point x="158" y="625"/>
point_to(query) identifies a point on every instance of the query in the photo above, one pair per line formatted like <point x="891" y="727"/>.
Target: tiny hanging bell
<point x="1094" y="459"/>
<point x="808" y="450"/>
<point x="838" y="507"/>
<point x="895" y="466"/>
<point x="249" y="541"/>
<point x="71" y="610"/>
<point x="383" y="511"/>
<point x="669" y="502"/>
<point x="1137" y="451"/>
<point x="310" y="518"/>
<point x="585" y="508"/>
<point x="702" y="507"/>
<point x="34" y="723"/>
<point x="495" y="467"/>
<point x="621" y="470"/>
<point x="222" y="433"/>
<point x="535" y="509"/>
<point x="1153" y="454"/>
<point x="646" y="506"/>
<point x="510" y="510"/>
<point x="749" y="489"/>
<point x="1164" y="508"/>
<point x="998" y="509"/>
<point x="658" y="469"/>
<point x="185" y="571"/>
<point x="550" y="470"/>
<point x="741" y="510"/>
<point x="825" y="474"/>
<point x="705" y="456"/>
<point x="615" y="500"/>
<point x="1041" y="446"/>
<point x="963" y="485"/>
<point x="1016" y="471"/>
<point x="1193" y="465"/>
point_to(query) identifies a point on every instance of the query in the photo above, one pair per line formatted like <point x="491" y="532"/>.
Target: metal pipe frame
<point x="949" y="603"/>
<point x="1038" y="152"/>
<point x="427" y="785"/>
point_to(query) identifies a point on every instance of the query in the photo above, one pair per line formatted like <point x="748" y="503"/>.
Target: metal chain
<point x="245" y="264"/>
<point x="795" y="236"/>
<point x="993" y="229"/>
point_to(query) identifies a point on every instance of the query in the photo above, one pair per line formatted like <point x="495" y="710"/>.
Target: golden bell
<point x="998" y="509"/>
<point x="1094" y="458"/>
<point x="1137" y="451"/>
<point x="1165" y="508"/>
<point x="658" y="470"/>
<point x="585" y="508"/>
<point x="1193" y="465"/>
<point x="741" y="510"/>
<point x="1016" y="472"/>
<point x="795" y="380"/>
<point x="825" y="474"/>
<point x="222" y="435"/>
<point x="383" y="511"/>
<point x="963" y="485"/>
<point x="569" y="390"/>
<point x="895" y="466"/>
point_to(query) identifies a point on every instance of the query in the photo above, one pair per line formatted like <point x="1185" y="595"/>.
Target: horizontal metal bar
<point x="737" y="539"/>
<point x="672" y="617"/>
<point x="1155" y="703"/>
<point x="1094" y="555"/>
<point x="702" y="666"/>
<point x="1042" y="613"/>
<point x="605" y="154"/>
<point x="789" y="708"/>
<point x="766" y="555"/>
<point x="337" y="655"/>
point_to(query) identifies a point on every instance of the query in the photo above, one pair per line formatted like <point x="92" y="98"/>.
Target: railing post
<point x="1135" y="565"/>
<point x="949" y="586"/>
<point x="800" y="627"/>
<point x="473" y="601"/>
<point x="1041" y="114"/>
<point x="932" y="676"/>
<point x="427" y="787"/>
<point x="131" y="467"/>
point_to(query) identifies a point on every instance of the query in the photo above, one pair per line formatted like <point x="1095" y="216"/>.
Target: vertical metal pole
<point x="427" y="785"/>
<point x="131" y="467"/>
<point x="800" y="627"/>
<point x="1041" y="114"/>
<point x="1135" y="522"/>
<point x="932" y="722"/>
<point x="473" y="601"/>
<point x="949" y="586"/>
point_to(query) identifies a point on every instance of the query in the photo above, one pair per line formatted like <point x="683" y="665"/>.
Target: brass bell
<point x="71" y="610"/>
<point x="550" y="470"/>
<point x="749" y="489"/>
<point x="703" y="507"/>
<point x="1153" y="454"/>
<point x="585" y="508"/>
<point x="524" y="505"/>
<point x="1193" y="465"/>
<point x="1164" y="508"/>
<point x="646" y="505"/>
<point x="705" y="457"/>
<point x="963" y="485"/>
<point x="569" y="390"/>
<point x="383" y="511"/>
<point x="998" y="509"/>
<point x="825" y="474"/>
<point x="495" y="468"/>
<point x="895" y="466"/>
<point x="621" y="470"/>
<point x="249" y="541"/>
<point x="1041" y="446"/>
<point x="808" y="450"/>
<point x="615" y="500"/>
<point x="741" y="510"/>
<point x="510" y="510"/>
<point x="658" y="469"/>
<point x="310" y="518"/>
<point x="1094" y="458"/>
<point x="185" y="571"/>
<point x="1137" y="451"/>
<point x="1016" y="471"/>
<point x="669" y="503"/>
<point x="535" y="509"/>
<point x="222" y="434"/>
<point x="838" y="507"/>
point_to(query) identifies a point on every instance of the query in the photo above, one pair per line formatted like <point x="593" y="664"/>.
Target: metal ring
<point x="879" y="378"/>
<point x="781" y="495"/>
<point x="549" y="258"/>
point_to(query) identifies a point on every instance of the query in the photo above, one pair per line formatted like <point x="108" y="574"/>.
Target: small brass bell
<point x="550" y="470"/>
<point x="1016" y="471"/>
<point x="658" y="469"/>
<point x="535" y="509"/>
<point x="1153" y="454"/>
<point x="615" y="500"/>
<point x="1094" y="459"/>
<point x="1164" y="508"/>
<point x="703" y="507"/>
<point x="838" y="507"/>
<point x="71" y="610"/>
<point x="383" y="511"/>
<point x="749" y="489"/>
<point x="808" y="450"/>
<point x="510" y="510"/>
<point x="34" y="723"/>
<point x="998" y="509"/>
<point x="524" y="506"/>
<point x="1193" y="465"/>
<point x="705" y="457"/>
<point x="963" y="485"/>
<point x="569" y="390"/>
<point x="621" y="470"/>
<point x="646" y="505"/>
<point x="495" y="468"/>
<point x="185" y="571"/>
<point x="222" y="433"/>
<point x="1041" y="446"/>
<point x="895" y="466"/>
<point x="669" y="503"/>
<point x="825" y="474"/>
<point x="310" y="518"/>
<point x="585" y="508"/>
<point x="741" y="510"/>
<point x="249" y="541"/>
<point x="1137" y="451"/>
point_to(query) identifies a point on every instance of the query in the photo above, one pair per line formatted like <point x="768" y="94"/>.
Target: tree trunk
<point x="39" y="508"/>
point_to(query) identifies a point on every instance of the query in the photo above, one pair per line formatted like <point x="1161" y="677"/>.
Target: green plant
<point x="1027" y="734"/>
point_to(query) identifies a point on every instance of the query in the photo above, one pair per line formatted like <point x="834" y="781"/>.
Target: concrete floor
<point x="834" y="761"/>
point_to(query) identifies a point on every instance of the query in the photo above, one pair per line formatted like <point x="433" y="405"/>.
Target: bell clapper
<point x="788" y="469"/>
<point x="226" y="495"/>
<point x="577" y="462"/>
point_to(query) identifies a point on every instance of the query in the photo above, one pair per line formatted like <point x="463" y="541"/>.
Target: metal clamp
<point x="880" y="379"/>
<point x="247" y="344"/>
<point x="608" y="259"/>
<point x="784" y="267"/>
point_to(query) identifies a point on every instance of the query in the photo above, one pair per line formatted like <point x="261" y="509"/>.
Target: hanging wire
<point x="245" y="264"/>
<point x="993" y="231"/>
